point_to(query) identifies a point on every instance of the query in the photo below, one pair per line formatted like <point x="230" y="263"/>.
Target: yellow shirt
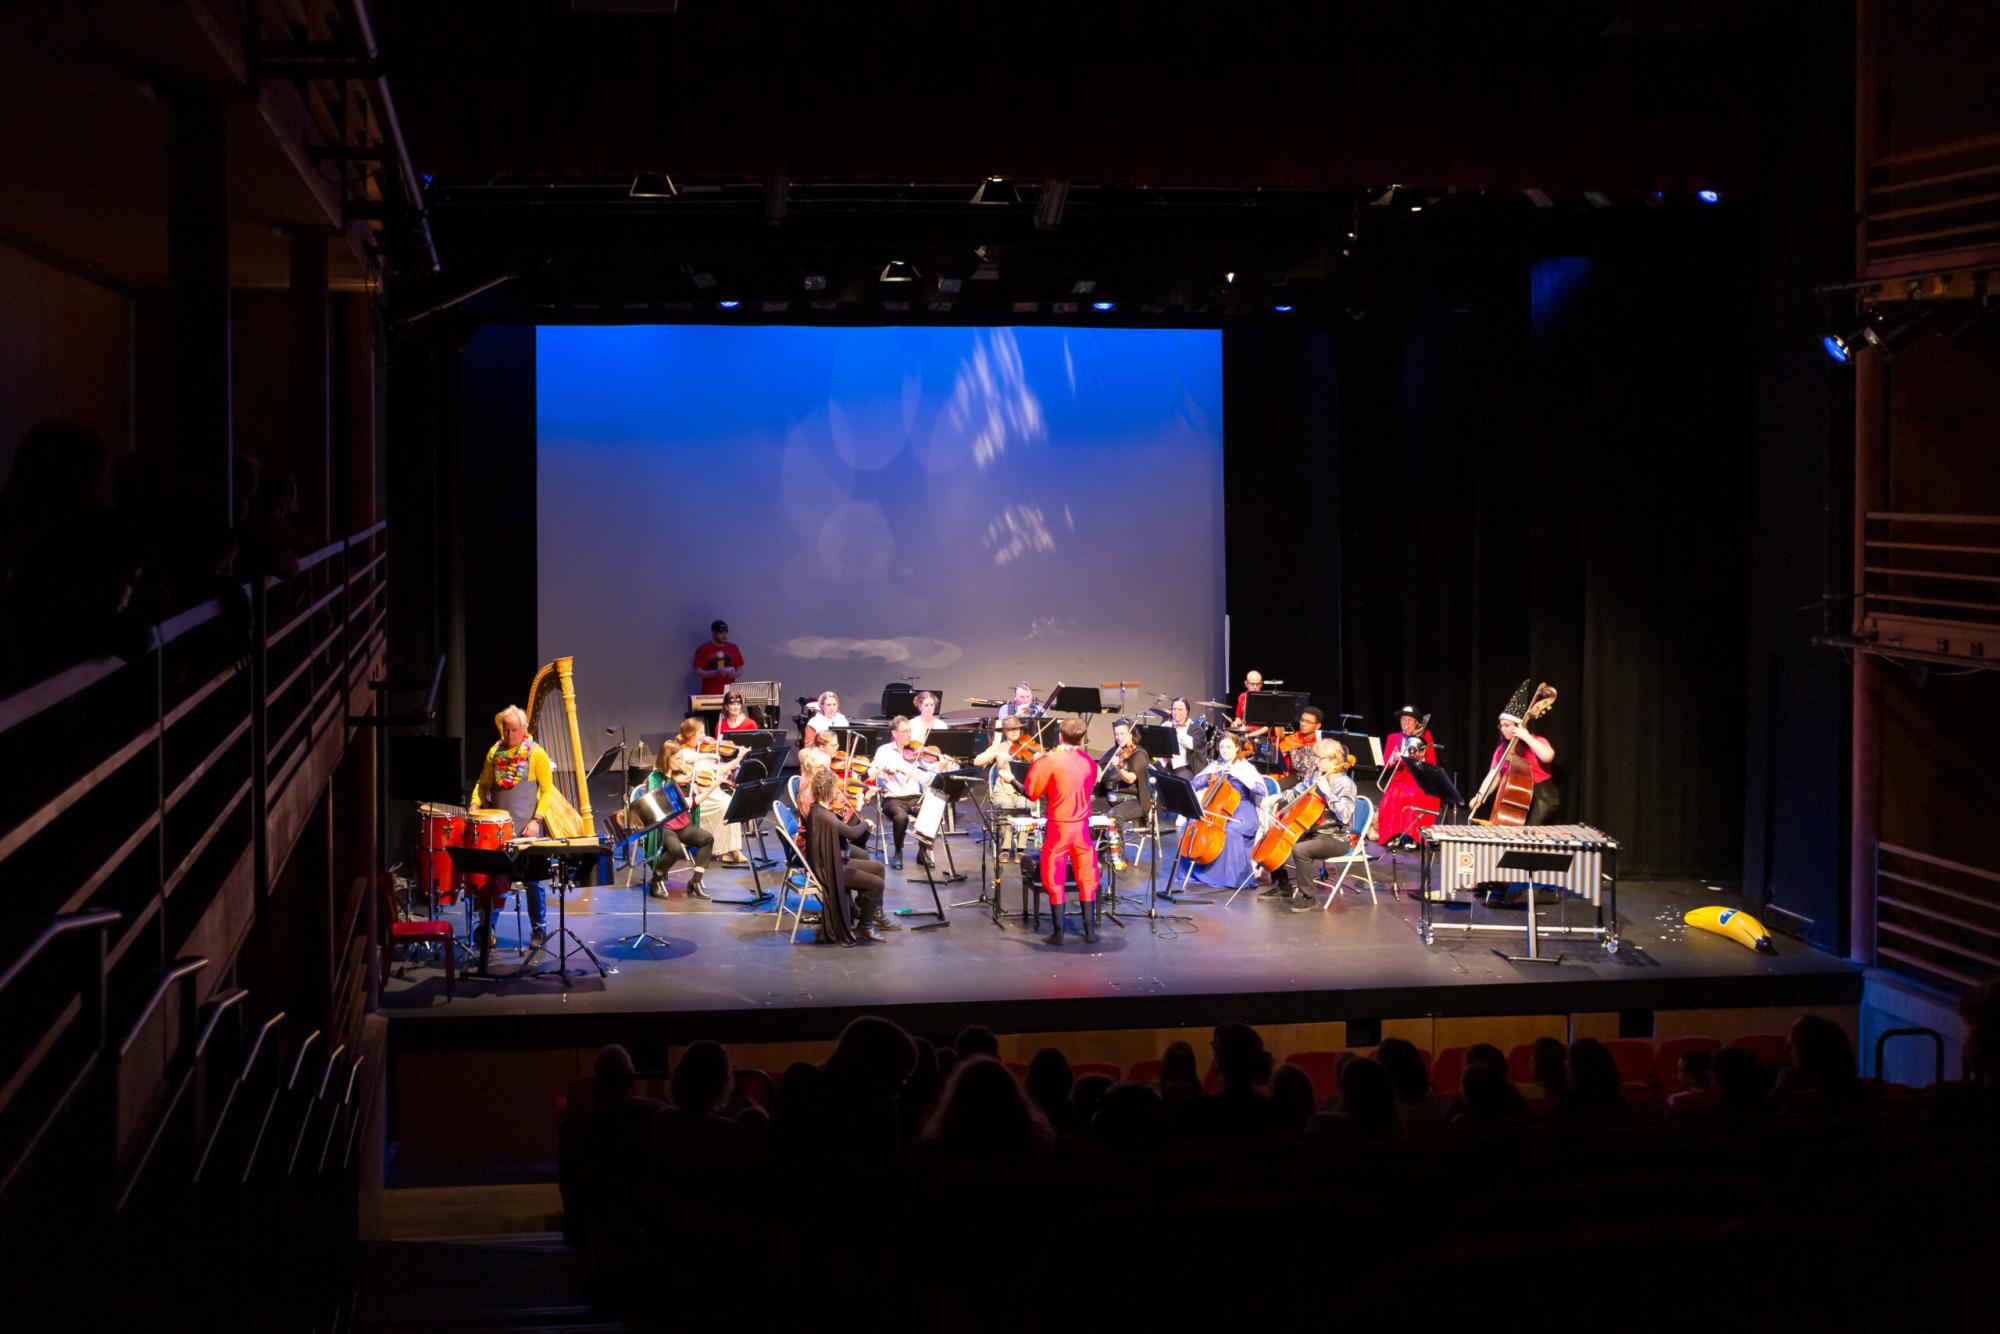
<point x="541" y="773"/>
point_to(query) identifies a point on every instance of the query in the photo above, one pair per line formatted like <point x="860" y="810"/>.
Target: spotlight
<point x="728" y="305"/>
<point x="950" y="284"/>
<point x="652" y="185"/>
<point x="1049" y="207"/>
<point x="702" y="281"/>
<point x="1104" y="305"/>
<point x="1708" y="196"/>
<point x="898" y="271"/>
<point x="1282" y="310"/>
<point x="1230" y="276"/>
<point x="815" y="282"/>
<point x="989" y="191"/>
<point x="1083" y="287"/>
<point x="1597" y="199"/>
<point x="1539" y="198"/>
<point x="1840" y="346"/>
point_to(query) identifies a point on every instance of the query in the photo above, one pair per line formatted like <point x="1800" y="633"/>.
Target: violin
<point x="720" y="749"/>
<point x="1027" y="748"/>
<point x="923" y="754"/>
<point x="1291" y="741"/>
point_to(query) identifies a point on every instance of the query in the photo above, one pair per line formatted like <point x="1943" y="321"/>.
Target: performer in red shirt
<point x="1063" y="780"/>
<point x="1406" y="808"/>
<point x="718" y="661"/>
<point x="735" y="718"/>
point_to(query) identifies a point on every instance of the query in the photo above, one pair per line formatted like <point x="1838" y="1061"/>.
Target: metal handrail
<point x="1937" y="1040"/>
<point x="59" y="926"/>
<point x="177" y="971"/>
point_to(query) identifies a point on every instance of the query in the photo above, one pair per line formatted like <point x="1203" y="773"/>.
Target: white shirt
<point x="921" y="728"/>
<point x="1183" y="743"/>
<point x="820" y="722"/>
<point x="896" y="775"/>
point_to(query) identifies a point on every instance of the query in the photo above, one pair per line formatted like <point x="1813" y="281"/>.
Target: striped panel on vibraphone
<point x="1469" y="854"/>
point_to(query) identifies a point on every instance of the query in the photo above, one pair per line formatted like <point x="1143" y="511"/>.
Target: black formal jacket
<point x="825" y="834"/>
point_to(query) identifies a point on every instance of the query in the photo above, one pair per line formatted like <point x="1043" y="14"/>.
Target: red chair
<point x="1143" y="1072"/>
<point x="1634" y="1058"/>
<point x="1521" y="1063"/>
<point x="1081" y="1068"/>
<point x="756" y="1087"/>
<point x="410" y="933"/>
<point x="1770" y="1048"/>
<point x="1321" y="1067"/>
<point x="1667" y="1060"/>
<point x="1448" y="1071"/>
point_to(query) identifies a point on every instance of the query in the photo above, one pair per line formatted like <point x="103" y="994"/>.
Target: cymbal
<point x="1211" y="704"/>
<point x="985" y="703"/>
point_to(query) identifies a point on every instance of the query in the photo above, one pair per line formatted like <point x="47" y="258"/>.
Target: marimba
<point x="1575" y="861"/>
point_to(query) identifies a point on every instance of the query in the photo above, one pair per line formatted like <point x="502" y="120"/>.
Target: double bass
<point x="1511" y="781"/>
<point x="1299" y="818"/>
<point x="1204" y="840"/>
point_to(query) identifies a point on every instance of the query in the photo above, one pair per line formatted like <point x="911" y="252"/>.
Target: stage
<point x="726" y="974"/>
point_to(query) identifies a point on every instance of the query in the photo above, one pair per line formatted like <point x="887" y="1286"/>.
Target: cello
<point x="1511" y="781"/>
<point x="1299" y="818"/>
<point x="1204" y="840"/>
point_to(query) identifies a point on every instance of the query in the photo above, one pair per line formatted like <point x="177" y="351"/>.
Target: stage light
<point x="1840" y="346"/>
<point x="1230" y="276"/>
<point x="1596" y="199"/>
<point x="1539" y="198"/>
<point x="652" y="185"/>
<point x="1064" y="307"/>
<point x="1104" y="305"/>
<point x="1282" y="310"/>
<point x="980" y="195"/>
<point x="1083" y="287"/>
<point x="728" y="305"/>
<point x="1386" y="198"/>
<point x="815" y="282"/>
<point x="950" y="284"/>
<point x="702" y="281"/>
<point x="1708" y="196"/>
<point x="898" y="271"/>
<point x="1049" y="207"/>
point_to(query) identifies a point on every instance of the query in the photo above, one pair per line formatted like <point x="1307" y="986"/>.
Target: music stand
<point x="563" y="865"/>
<point x="899" y="697"/>
<point x="989" y="885"/>
<point x="1176" y="795"/>
<point x="491" y="863"/>
<point x="755" y="766"/>
<point x="1080" y="700"/>
<point x="630" y="837"/>
<point x="1273" y="708"/>
<point x="749" y="804"/>
<point x="1158" y="742"/>
<point x="1547" y="863"/>
<point x="926" y="840"/>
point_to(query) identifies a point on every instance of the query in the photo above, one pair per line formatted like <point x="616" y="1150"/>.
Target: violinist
<point x="926" y="720"/>
<point x="1023" y="704"/>
<point x="902" y="780"/>
<point x="1406" y="808"/>
<point x="1329" y="838"/>
<point x="1190" y="738"/>
<point x="1230" y="868"/>
<point x="710" y="771"/>
<point x="1539" y="754"/>
<point x="826" y="717"/>
<point x="735" y="718"/>
<point x="1003" y="793"/>
<point x="827" y="834"/>
<point x="1300" y="762"/>
<point x="678" y="837"/>
<point x="1126" y="785"/>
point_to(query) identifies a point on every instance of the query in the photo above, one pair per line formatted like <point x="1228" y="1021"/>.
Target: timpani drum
<point x="492" y="829"/>
<point x="439" y="829"/>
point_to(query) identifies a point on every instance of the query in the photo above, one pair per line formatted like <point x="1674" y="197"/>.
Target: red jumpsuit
<point x="1063" y="779"/>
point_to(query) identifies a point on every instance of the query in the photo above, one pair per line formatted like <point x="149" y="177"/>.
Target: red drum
<point x="486" y="828"/>
<point x="439" y="829"/>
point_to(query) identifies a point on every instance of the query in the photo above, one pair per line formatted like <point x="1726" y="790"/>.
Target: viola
<point x="1204" y="840"/>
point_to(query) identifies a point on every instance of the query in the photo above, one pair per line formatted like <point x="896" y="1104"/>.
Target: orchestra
<point x="1275" y="800"/>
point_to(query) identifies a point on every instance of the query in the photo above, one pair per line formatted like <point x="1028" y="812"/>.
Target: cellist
<point x="1230" y="867"/>
<point x="1536" y="750"/>
<point x="1329" y="838"/>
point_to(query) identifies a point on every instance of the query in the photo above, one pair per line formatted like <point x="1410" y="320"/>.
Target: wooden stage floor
<point x="726" y="974"/>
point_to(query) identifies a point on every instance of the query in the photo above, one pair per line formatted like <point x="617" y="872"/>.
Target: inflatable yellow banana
<point x="1734" y="923"/>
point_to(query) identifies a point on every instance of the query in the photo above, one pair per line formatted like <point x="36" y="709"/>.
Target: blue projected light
<point x="729" y="305"/>
<point x="866" y="503"/>
<point x="1104" y="305"/>
<point x="1708" y="196"/>
<point x="1282" y="310"/>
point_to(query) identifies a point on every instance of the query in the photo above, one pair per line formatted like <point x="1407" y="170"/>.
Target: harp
<point x="552" y="722"/>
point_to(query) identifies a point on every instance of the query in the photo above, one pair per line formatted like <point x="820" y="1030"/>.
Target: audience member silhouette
<point x="1594" y="1091"/>
<point x="1237" y="1108"/>
<point x="692" y="1138"/>
<point x="604" y="1148"/>
<point x="1368" y="1106"/>
<point x="1049" y="1083"/>
<point x="984" y="1115"/>
<point x="1974" y="1102"/>
<point x="919" y="1097"/>
<point x="1742" y="1084"/>
<point x="1820" y="1078"/>
<point x="1179" y="1078"/>
<point x="1407" y="1071"/>
<point x="1088" y="1095"/>
<point x="863" y="1081"/>
<point x="1292" y="1096"/>
<point x="1132" y="1119"/>
<point x="1488" y="1099"/>
<point x="1550" y="1060"/>
<point x="976" y="1040"/>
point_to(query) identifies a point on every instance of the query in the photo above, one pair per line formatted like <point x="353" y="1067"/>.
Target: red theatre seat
<point x="1521" y="1063"/>
<point x="1081" y="1068"/>
<point x="409" y="933"/>
<point x="1448" y="1071"/>
<point x="1770" y="1048"/>
<point x="1667" y="1060"/>
<point x="1634" y="1058"/>
<point x="1143" y="1072"/>
<point x="1322" y="1067"/>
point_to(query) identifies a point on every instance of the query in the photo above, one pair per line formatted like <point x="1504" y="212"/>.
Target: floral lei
<point x="511" y="766"/>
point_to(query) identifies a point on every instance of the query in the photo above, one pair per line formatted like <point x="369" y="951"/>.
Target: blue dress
<point x="1230" y="869"/>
